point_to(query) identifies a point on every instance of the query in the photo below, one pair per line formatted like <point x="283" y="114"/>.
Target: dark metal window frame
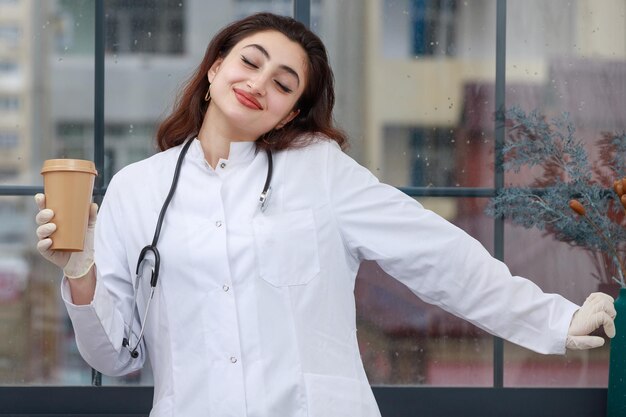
<point x="393" y="401"/>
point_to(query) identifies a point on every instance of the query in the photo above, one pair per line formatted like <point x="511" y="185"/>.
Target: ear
<point x="292" y="115"/>
<point x="214" y="69"/>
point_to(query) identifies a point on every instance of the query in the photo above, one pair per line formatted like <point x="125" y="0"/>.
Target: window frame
<point x="393" y="401"/>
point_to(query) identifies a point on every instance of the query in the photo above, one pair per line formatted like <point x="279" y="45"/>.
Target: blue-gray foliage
<point x="531" y="141"/>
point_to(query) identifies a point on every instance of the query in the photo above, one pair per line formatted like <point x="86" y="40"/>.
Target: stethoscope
<point x="152" y="248"/>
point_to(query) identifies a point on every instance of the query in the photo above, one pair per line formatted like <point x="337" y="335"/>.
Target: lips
<point x="247" y="99"/>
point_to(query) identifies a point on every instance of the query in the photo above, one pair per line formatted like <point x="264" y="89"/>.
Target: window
<point x="8" y="103"/>
<point x="146" y="26"/>
<point x="8" y="140"/>
<point x="433" y="27"/>
<point x="8" y="67"/>
<point x="10" y="35"/>
<point x="424" y="123"/>
<point x="433" y="151"/>
<point x="420" y="28"/>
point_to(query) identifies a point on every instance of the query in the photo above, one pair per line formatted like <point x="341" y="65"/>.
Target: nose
<point x="257" y="85"/>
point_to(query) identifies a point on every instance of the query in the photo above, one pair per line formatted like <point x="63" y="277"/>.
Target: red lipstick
<point x="247" y="99"/>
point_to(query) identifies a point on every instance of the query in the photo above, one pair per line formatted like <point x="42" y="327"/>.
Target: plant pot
<point x="616" y="399"/>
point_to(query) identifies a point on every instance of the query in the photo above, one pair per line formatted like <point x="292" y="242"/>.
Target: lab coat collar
<point x="240" y="152"/>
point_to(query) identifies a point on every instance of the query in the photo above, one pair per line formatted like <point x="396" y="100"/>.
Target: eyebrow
<point x="287" y="68"/>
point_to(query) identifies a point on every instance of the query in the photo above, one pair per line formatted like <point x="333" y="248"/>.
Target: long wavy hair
<point x="315" y="104"/>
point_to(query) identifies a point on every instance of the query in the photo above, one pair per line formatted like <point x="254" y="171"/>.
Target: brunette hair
<point x="315" y="104"/>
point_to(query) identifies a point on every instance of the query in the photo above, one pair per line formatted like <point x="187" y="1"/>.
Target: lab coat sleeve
<point x="439" y="262"/>
<point x="100" y="326"/>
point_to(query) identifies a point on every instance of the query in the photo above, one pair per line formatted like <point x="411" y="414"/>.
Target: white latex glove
<point x="598" y="310"/>
<point x="74" y="264"/>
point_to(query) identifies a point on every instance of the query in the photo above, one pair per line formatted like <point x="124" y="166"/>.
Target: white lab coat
<point x="254" y="313"/>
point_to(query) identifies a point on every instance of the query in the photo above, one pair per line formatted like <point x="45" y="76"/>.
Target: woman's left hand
<point x="598" y="310"/>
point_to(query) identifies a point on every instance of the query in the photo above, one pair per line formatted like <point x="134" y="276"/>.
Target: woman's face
<point x="257" y="85"/>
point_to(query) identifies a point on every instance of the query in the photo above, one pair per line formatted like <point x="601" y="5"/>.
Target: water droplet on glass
<point x="130" y="130"/>
<point x="149" y="34"/>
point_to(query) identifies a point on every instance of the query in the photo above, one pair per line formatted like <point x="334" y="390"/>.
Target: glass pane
<point x="415" y="87"/>
<point x="556" y="268"/>
<point x="37" y="343"/>
<point x="405" y="341"/>
<point x="71" y="76"/>
<point x="37" y="69"/>
<point x="424" y="118"/>
<point x="566" y="67"/>
<point x="42" y="47"/>
<point x="46" y="111"/>
<point x="36" y="339"/>
<point x="152" y="48"/>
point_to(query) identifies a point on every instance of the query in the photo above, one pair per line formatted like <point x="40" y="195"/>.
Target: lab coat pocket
<point x="286" y="248"/>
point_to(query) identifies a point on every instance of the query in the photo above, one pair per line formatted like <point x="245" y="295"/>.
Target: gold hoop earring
<point x="207" y="96"/>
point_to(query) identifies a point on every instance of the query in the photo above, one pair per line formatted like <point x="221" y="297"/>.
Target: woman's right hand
<point x="74" y="264"/>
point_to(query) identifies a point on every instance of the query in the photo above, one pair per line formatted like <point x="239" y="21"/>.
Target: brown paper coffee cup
<point x="68" y="185"/>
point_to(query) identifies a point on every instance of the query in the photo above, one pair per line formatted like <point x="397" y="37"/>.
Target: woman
<point x="253" y="312"/>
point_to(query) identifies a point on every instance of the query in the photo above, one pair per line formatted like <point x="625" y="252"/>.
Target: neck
<point x="215" y="147"/>
<point x="215" y="136"/>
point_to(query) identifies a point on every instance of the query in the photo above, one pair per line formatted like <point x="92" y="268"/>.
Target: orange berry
<point x="577" y="207"/>
<point x="618" y="187"/>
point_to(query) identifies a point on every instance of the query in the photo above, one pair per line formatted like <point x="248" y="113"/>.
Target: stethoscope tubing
<point x="153" y="246"/>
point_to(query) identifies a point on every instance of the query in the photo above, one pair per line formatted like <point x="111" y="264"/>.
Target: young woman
<point x="254" y="251"/>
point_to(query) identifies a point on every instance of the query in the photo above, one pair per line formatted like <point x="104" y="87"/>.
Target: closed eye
<point x="283" y="87"/>
<point x="247" y="62"/>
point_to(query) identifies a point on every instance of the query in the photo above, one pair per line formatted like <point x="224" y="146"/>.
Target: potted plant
<point x="579" y="202"/>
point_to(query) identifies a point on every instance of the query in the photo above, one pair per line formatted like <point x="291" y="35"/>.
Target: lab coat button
<point x="225" y="287"/>
<point x="233" y="359"/>
<point x="218" y="223"/>
<point x="223" y="165"/>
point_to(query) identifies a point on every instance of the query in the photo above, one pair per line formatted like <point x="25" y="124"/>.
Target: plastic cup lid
<point x="53" y="165"/>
